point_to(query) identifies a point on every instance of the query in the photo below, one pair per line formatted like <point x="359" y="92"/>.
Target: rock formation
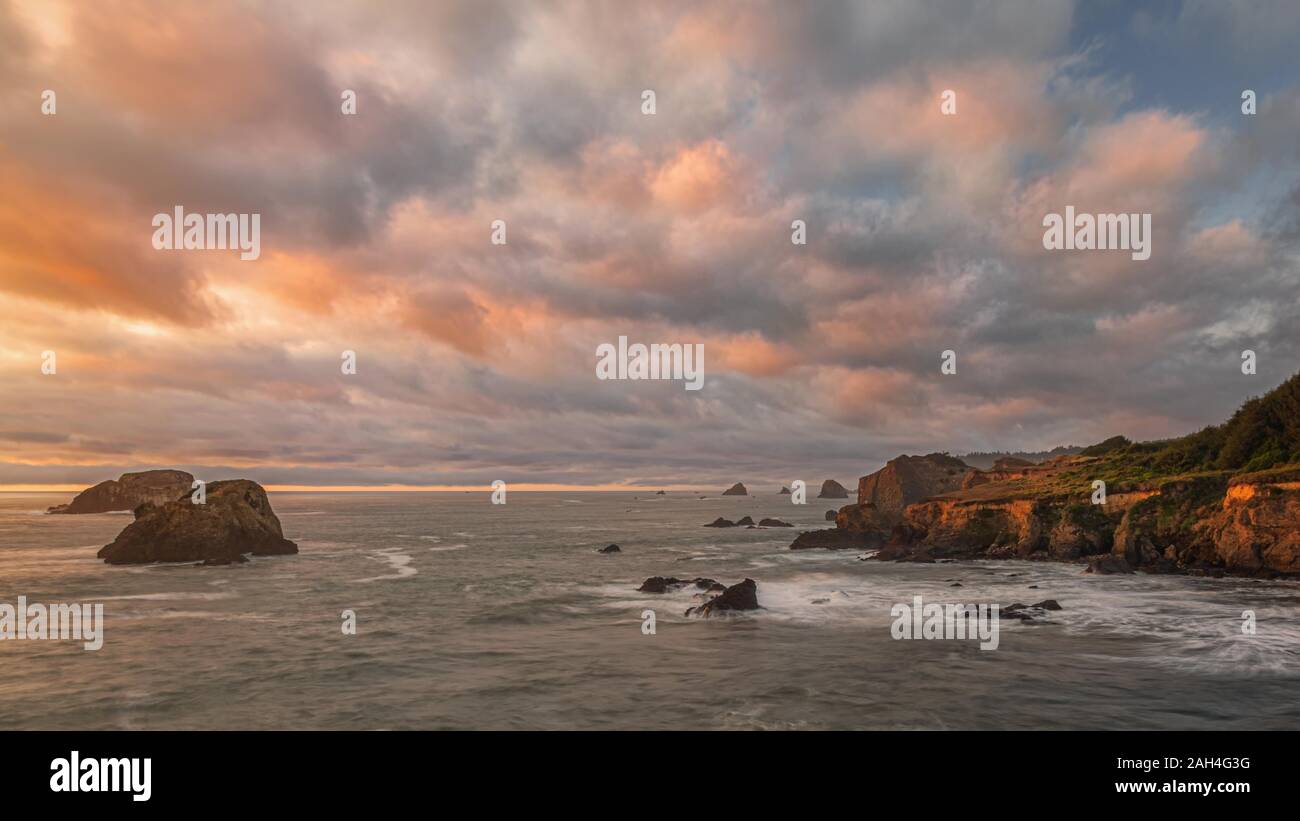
<point x="129" y="491"/>
<point x="613" y="548"/>
<point x="662" y="584"/>
<point x="832" y="489"/>
<point x="721" y="522"/>
<point x="740" y="596"/>
<point x="736" y="490"/>
<point x="773" y="523"/>
<point x="785" y="491"/>
<point x="235" y="520"/>
<point x="909" y="479"/>
<point x="836" y="539"/>
<point x="1224" y="500"/>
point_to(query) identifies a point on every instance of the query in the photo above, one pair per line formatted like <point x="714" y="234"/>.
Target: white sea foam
<point x="398" y="561"/>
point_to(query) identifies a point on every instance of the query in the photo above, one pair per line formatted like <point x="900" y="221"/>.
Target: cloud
<point x="476" y="361"/>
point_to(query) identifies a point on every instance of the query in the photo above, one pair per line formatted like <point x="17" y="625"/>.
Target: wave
<point x="398" y="561"/>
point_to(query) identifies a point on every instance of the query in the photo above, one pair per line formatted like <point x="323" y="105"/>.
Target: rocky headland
<point x="1225" y="500"/>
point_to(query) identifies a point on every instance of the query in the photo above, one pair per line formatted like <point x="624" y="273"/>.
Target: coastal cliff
<point x="1224" y="500"/>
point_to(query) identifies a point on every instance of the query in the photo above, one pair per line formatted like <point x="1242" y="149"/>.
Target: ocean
<point x="471" y="615"/>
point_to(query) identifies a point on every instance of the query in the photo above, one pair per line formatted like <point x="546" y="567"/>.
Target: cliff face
<point x="1223" y="500"/>
<point x="235" y="520"/>
<point x="909" y="479"/>
<point x="129" y="491"/>
<point x="1257" y="527"/>
<point x="1246" y="525"/>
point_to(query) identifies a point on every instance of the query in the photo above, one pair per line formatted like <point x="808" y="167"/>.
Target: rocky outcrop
<point x="831" y="515"/>
<point x="773" y="523"/>
<point x="1258" y="526"/>
<point x="832" y="489"/>
<point x="1224" y="500"/>
<point x="613" y="548"/>
<point x="721" y="522"/>
<point x="235" y="520"/>
<point x="909" y="479"/>
<point x="785" y="491"/>
<point x="736" y="490"/>
<point x="836" y="539"/>
<point x="745" y="522"/>
<point x="739" y="597"/>
<point x="129" y="491"/>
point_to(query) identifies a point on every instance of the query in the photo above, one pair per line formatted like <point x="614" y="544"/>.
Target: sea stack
<point x="236" y="519"/>
<point x="129" y="491"/>
<point x="737" y="489"/>
<point x="832" y="489"/>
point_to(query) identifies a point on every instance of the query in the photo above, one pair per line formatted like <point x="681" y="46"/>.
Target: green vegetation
<point x="1264" y="433"/>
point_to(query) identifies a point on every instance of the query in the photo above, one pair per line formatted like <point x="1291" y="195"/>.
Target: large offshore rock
<point x="236" y="520"/>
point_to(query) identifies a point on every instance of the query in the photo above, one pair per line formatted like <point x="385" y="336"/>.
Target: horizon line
<point x="522" y="487"/>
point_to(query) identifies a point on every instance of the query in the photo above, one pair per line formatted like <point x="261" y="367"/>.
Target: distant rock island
<point x="785" y="491"/>
<point x="235" y="520"/>
<point x="1224" y="500"/>
<point x="832" y="489"/>
<point x="129" y="491"/>
<point x="736" y="490"/>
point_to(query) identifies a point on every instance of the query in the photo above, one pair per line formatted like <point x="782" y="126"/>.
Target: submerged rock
<point x="1108" y="564"/>
<point x="235" y="520"/>
<point x="610" y="549"/>
<point x="662" y="584"/>
<point x="1029" y="612"/>
<point x="129" y="491"/>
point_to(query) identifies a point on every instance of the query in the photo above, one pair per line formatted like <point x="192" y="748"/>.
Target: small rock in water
<point x="740" y="596"/>
<point x="611" y="549"/>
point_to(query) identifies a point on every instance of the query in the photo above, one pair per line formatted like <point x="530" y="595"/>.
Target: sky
<point x="477" y="361"/>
